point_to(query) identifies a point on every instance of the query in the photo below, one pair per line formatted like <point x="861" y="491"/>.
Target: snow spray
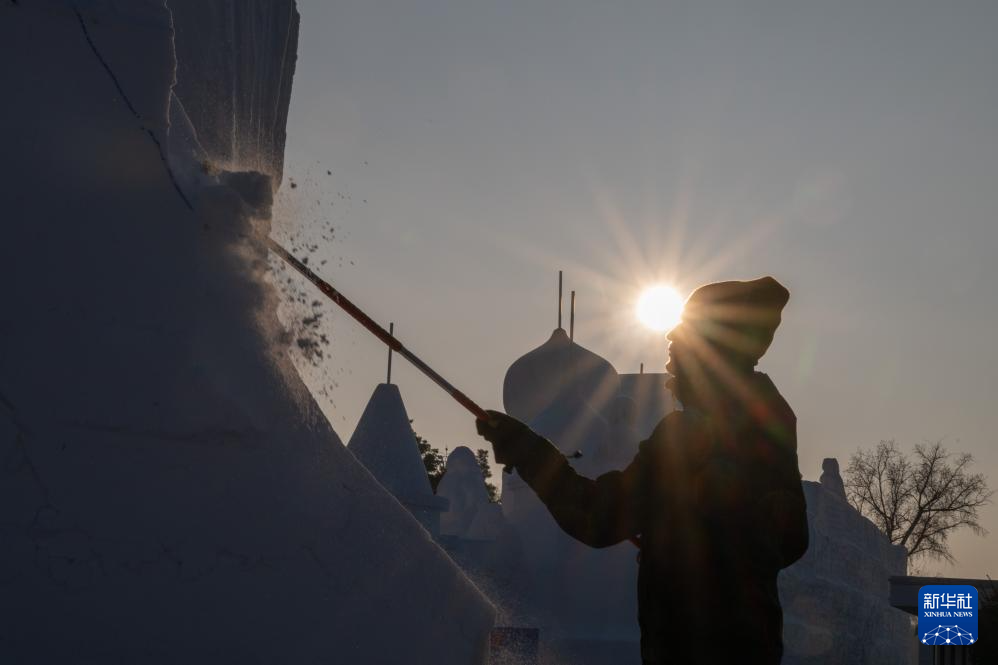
<point x="379" y="332"/>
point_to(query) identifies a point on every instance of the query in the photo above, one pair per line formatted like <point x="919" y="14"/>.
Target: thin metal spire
<point x="391" y="331"/>
<point x="559" y="299"/>
<point x="571" y="319"/>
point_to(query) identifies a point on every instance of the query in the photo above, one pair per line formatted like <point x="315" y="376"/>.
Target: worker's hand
<point x="508" y="436"/>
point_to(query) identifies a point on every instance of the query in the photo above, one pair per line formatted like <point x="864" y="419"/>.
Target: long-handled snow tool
<point x="377" y="330"/>
<point x="387" y="338"/>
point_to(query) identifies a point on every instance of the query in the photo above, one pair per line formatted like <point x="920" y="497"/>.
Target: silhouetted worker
<point x="714" y="494"/>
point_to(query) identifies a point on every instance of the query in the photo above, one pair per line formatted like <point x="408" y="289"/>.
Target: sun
<point x="660" y="307"/>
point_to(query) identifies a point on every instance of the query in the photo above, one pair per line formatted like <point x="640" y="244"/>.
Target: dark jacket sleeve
<point x="781" y="517"/>
<point x="780" y="513"/>
<point x="599" y="513"/>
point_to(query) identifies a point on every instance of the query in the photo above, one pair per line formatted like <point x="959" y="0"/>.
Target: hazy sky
<point x="850" y="150"/>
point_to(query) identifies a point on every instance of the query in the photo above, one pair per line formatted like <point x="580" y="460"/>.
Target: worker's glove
<point x="510" y="439"/>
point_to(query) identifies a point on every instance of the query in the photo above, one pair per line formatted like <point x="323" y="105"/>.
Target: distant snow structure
<point x="835" y="599"/>
<point x="169" y="491"/>
<point x="470" y="515"/>
<point x="830" y="478"/>
<point x="385" y="444"/>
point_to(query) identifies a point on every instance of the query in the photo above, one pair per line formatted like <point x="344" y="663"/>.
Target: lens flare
<point x="660" y="307"/>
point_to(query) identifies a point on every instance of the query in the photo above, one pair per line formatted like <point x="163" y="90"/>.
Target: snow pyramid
<point x="169" y="492"/>
<point x="384" y="443"/>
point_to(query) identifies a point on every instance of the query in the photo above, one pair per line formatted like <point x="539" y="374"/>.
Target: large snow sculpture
<point x="168" y="490"/>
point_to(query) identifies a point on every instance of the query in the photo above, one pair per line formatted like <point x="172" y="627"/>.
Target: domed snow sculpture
<point x="470" y="515"/>
<point x="556" y="369"/>
<point x="384" y="443"/>
<point x="169" y="490"/>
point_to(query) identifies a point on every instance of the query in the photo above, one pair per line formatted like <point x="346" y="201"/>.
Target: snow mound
<point x="471" y="514"/>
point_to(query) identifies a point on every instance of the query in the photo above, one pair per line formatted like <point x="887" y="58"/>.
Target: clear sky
<point x="848" y="148"/>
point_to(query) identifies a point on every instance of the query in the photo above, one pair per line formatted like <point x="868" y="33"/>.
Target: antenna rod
<point x="559" y="299"/>
<point x="571" y="319"/>
<point x="391" y="331"/>
<point x="377" y="330"/>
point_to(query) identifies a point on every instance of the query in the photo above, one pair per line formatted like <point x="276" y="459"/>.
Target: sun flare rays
<point x="659" y="307"/>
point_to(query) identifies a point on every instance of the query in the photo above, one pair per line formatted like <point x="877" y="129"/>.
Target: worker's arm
<point x="782" y="516"/>
<point x="780" y="513"/>
<point x="599" y="512"/>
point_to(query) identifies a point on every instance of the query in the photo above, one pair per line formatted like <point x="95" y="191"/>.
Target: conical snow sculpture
<point x="169" y="491"/>
<point x="384" y="443"/>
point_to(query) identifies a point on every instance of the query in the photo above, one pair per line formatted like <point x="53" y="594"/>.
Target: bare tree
<point x="917" y="500"/>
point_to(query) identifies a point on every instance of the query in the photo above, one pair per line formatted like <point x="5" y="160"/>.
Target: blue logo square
<point x="947" y="614"/>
